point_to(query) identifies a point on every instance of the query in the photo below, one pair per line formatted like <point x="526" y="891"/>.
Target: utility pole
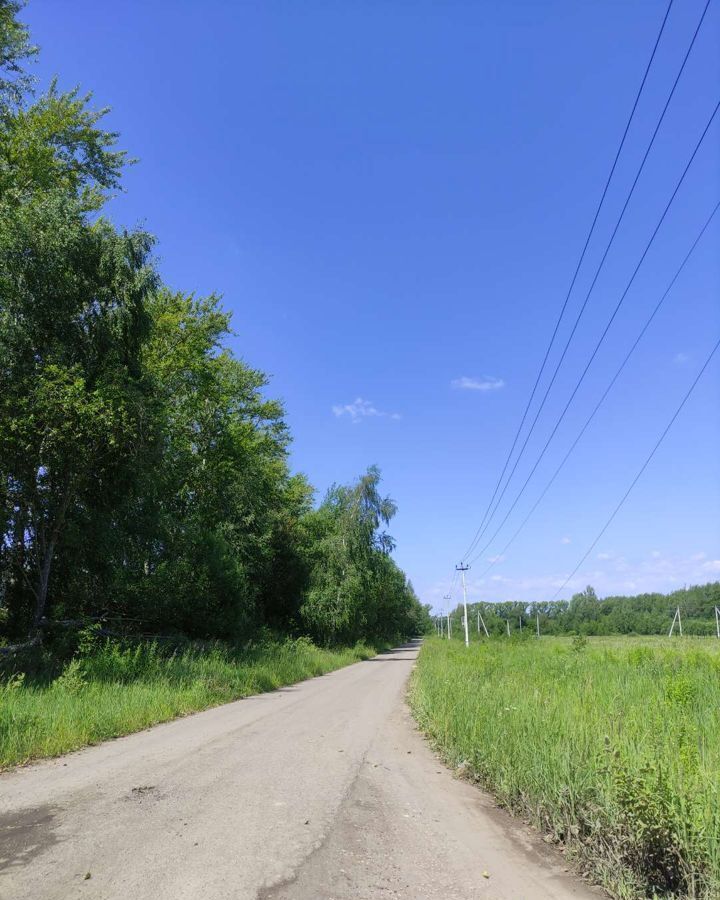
<point x="507" y="624"/>
<point x="717" y="621"/>
<point x="537" y="621"/>
<point x="676" y="618"/>
<point x="481" y="621"/>
<point x="463" y="569"/>
<point x="447" y="598"/>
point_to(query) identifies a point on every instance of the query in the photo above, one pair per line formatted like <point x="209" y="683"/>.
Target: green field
<point x="109" y="690"/>
<point x="611" y="746"/>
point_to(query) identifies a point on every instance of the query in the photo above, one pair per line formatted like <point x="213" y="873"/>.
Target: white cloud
<point x="619" y="575"/>
<point x="361" y="409"/>
<point x="680" y="359"/>
<point x="643" y="574"/>
<point x="604" y="556"/>
<point x="565" y="540"/>
<point x="486" y="383"/>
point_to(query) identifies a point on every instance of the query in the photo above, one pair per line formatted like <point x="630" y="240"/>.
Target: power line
<point x="640" y="472"/>
<point x="602" y="399"/>
<point x="603" y="335"/>
<point x="485" y="520"/>
<point x="594" y="281"/>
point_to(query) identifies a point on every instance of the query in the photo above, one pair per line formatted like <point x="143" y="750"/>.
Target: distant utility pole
<point x="463" y="569"/>
<point x="676" y="618"/>
<point x="520" y="620"/>
<point x="447" y="598"/>
<point x="537" y="621"/>
<point x="481" y="621"/>
<point x="507" y="625"/>
<point x="717" y="621"/>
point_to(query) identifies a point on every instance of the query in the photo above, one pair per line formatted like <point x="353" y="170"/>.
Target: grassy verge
<point x="110" y="690"/>
<point x="612" y="747"/>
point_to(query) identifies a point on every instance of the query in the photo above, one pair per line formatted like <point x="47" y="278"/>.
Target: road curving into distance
<point x="319" y="790"/>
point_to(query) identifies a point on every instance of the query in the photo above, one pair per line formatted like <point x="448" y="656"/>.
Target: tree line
<point x="587" y="614"/>
<point x="144" y="473"/>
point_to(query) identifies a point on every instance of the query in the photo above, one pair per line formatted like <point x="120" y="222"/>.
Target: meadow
<point x="610" y="746"/>
<point x="108" y="689"/>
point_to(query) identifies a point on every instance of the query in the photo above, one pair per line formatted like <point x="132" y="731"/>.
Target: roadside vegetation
<point x="145" y="486"/>
<point x="107" y="689"/>
<point x="609" y="746"/>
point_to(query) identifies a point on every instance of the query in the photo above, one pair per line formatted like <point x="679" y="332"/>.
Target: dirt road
<point x="321" y="790"/>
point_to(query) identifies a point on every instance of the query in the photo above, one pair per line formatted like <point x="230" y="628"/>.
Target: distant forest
<point x="588" y="614"/>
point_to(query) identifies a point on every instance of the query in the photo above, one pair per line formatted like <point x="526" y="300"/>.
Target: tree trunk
<point x="46" y="552"/>
<point x="42" y="582"/>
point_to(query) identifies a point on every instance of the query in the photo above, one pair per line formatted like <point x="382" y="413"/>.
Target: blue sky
<point x="391" y="198"/>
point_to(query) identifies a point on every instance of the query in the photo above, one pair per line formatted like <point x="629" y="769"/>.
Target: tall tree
<point x="72" y="321"/>
<point x="15" y="51"/>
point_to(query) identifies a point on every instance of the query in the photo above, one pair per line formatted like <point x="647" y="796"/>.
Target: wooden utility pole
<point x="447" y="598"/>
<point x="463" y="569"/>
<point x="717" y="621"/>
<point x="537" y="621"/>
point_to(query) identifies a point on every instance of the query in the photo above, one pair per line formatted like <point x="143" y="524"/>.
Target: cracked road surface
<point x="320" y="790"/>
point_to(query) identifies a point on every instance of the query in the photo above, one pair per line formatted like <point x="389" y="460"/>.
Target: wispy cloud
<point x="616" y="575"/>
<point x="361" y="409"/>
<point x="485" y="383"/>
<point x="565" y="540"/>
<point x="681" y="358"/>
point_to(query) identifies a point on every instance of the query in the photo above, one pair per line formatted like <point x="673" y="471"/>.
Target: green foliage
<point x="587" y="614"/>
<point x="143" y="470"/>
<point x="15" y="49"/>
<point x="614" y="751"/>
<point x="355" y="587"/>
<point x="579" y="643"/>
<point x="115" y="688"/>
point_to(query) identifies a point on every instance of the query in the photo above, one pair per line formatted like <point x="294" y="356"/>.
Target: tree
<point x="15" y="50"/>
<point x="72" y="322"/>
<point x="143" y="470"/>
<point x="355" y="589"/>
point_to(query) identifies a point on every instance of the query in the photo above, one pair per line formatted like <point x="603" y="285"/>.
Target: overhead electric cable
<point x="640" y="472"/>
<point x="607" y="326"/>
<point x="600" y="402"/>
<point x="490" y="511"/>
<point x="575" y="274"/>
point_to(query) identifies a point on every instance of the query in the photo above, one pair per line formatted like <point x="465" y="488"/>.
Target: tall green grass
<point x="611" y="747"/>
<point x="109" y="690"/>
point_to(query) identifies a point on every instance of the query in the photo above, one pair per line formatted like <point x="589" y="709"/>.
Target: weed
<point x="611" y="746"/>
<point x="110" y="688"/>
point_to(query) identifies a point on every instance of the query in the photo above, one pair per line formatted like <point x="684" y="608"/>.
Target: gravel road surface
<point x="317" y="791"/>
